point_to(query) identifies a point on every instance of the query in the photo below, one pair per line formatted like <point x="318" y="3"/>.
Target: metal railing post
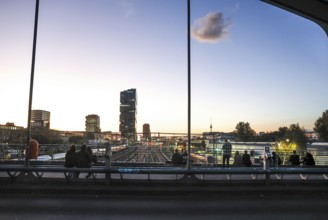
<point x="267" y="167"/>
<point x="108" y="164"/>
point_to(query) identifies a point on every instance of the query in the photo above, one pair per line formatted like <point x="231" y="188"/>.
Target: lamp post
<point x="189" y="86"/>
<point x="27" y="150"/>
<point x="213" y="142"/>
<point x="214" y="150"/>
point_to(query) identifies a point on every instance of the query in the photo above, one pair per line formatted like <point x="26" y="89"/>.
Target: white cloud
<point x="210" y="28"/>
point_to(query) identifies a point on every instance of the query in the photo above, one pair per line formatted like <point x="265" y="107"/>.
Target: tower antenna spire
<point x="211" y="125"/>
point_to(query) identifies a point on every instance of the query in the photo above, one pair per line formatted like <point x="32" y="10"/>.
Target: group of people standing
<point x="81" y="159"/>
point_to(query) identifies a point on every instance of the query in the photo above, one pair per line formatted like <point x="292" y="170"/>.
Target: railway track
<point x="139" y="154"/>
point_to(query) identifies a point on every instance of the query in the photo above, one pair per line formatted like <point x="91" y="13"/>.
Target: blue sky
<point x="250" y="62"/>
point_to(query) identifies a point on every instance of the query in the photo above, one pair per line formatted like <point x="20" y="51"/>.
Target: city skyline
<point x="250" y="62"/>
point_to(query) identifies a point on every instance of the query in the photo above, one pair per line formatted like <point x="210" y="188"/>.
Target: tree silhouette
<point x="296" y="135"/>
<point x="321" y="126"/>
<point x="244" y="132"/>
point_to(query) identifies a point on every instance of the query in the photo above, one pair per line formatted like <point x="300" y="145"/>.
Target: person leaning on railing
<point x="226" y="153"/>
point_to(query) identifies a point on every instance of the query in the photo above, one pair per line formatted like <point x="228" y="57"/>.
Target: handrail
<point x="169" y="170"/>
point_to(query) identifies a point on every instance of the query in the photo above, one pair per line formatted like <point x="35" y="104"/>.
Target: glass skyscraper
<point x="128" y="114"/>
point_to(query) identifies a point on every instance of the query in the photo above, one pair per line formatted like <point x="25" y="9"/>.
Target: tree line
<point x="293" y="134"/>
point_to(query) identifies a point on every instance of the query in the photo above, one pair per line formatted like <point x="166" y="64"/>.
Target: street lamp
<point x="214" y="153"/>
<point x="36" y="18"/>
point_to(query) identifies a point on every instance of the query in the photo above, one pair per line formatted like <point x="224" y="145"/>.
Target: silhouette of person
<point x="294" y="159"/>
<point x="176" y="158"/>
<point x="246" y="159"/>
<point x="70" y="160"/>
<point x="275" y="159"/>
<point x="308" y="160"/>
<point x="226" y="153"/>
<point x="83" y="159"/>
<point x="237" y="159"/>
<point x="70" y="157"/>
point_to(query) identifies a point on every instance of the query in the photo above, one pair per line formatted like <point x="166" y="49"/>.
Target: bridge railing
<point x="146" y="154"/>
<point x="177" y="174"/>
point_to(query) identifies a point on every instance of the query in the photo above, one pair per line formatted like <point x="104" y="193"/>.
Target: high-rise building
<point x="128" y="114"/>
<point x="40" y="119"/>
<point x="146" y="131"/>
<point x="92" y="124"/>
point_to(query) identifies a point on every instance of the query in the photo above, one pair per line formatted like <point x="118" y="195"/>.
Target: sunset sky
<point x="250" y="61"/>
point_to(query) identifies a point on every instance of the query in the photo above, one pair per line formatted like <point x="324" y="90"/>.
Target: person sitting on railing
<point x="237" y="159"/>
<point x="294" y="159"/>
<point x="246" y="159"/>
<point x="93" y="159"/>
<point x="70" y="159"/>
<point x="177" y="158"/>
<point x="308" y="160"/>
<point x="83" y="159"/>
<point x="276" y="161"/>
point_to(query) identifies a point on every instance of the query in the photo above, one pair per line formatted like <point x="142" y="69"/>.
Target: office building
<point x="146" y="131"/>
<point x="128" y="114"/>
<point x="92" y="124"/>
<point x="40" y="120"/>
